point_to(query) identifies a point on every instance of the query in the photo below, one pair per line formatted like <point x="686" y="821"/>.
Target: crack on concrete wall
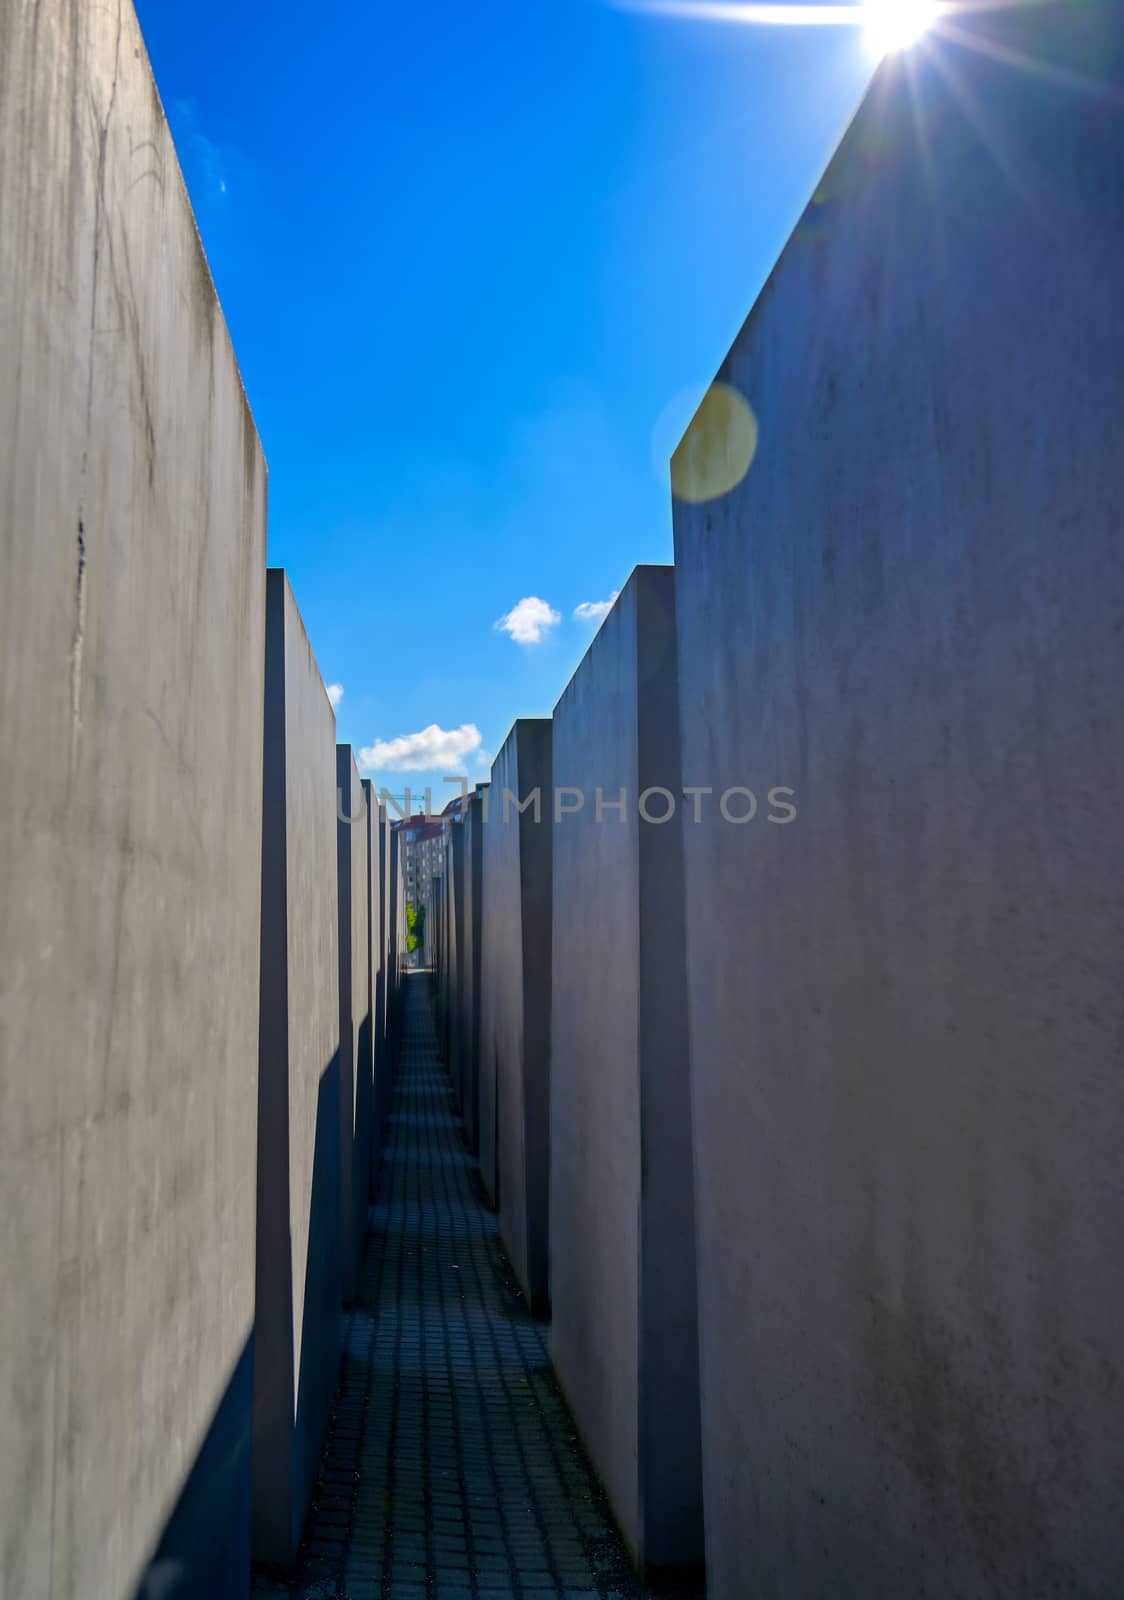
<point x="76" y="644"/>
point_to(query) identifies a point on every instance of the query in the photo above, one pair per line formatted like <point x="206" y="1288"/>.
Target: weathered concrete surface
<point x="355" y="1026"/>
<point x="132" y="624"/>
<point x="622" y="1252"/>
<point x="514" y="1082"/>
<point x="906" y="1004"/>
<point x="298" y="1327"/>
<point x="375" y="823"/>
<point x="472" y="929"/>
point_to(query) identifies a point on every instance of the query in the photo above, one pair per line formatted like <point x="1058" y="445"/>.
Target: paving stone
<point x="452" y="1470"/>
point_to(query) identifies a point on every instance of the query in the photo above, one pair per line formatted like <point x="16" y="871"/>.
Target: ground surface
<point x="451" y="1470"/>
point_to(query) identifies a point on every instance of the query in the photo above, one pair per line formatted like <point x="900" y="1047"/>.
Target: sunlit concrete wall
<point x="298" y="1324"/>
<point x="905" y="1004"/>
<point x="472" y="939"/>
<point x="132" y="634"/>
<point x="355" y="1061"/>
<point x="515" y="1001"/>
<point x="622" y="1245"/>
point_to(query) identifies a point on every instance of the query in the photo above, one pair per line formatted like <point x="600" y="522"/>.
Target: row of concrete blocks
<point x="331" y="943"/>
<point x="561" y="978"/>
<point x="848" y="1069"/>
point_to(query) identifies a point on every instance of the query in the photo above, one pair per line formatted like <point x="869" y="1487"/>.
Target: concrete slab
<point x="905" y="1003"/>
<point x="298" y="1326"/>
<point x="355" y="1025"/>
<point x="454" y="959"/>
<point x="515" y="1002"/>
<point x="440" y="903"/>
<point x="622" y="1251"/>
<point x="375" y="827"/>
<point x="132" y="644"/>
<point x="472" y="933"/>
<point x="397" y="937"/>
<point x="385" y="1072"/>
<point x="384" y="1064"/>
<point x="435" y="939"/>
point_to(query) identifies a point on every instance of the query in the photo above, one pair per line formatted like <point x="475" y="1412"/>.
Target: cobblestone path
<point x="451" y="1470"/>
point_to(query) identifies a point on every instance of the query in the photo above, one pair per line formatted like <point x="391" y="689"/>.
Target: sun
<point x="896" y="24"/>
<point x="888" y="25"/>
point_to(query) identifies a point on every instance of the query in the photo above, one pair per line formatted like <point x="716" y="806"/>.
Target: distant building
<point x="422" y="848"/>
<point x="422" y="843"/>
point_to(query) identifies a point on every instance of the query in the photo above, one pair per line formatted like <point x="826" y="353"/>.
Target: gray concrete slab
<point x="514" y="1082"/>
<point x="375" y="1051"/>
<point x="132" y="641"/>
<point x="388" y="898"/>
<point x="622" y="1254"/>
<point x="454" y="961"/>
<point x="397" y="940"/>
<point x="440" y="893"/>
<point x="905" y="1003"/>
<point x="298" y="1325"/>
<point x="472" y="934"/>
<point x="435" y="940"/>
<point x="355" y="1025"/>
<point x="381" y="931"/>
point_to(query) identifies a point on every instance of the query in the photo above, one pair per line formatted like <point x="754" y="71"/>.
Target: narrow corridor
<point x="451" y="1469"/>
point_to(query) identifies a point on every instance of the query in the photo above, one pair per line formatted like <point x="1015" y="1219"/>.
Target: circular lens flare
<point x="717" y="449"/>
<point x="896" y="24"/>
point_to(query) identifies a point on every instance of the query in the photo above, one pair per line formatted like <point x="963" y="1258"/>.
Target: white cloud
<point x="595" y="610"/>
<point x="432" y="749"/>
<point x="530" y="621"/>
<point x="335" y="693"/>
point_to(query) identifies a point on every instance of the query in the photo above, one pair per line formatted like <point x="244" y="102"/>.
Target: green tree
<point x="415" y="928"/>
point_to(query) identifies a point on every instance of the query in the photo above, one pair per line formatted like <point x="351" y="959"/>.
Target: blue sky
<point x="478" y="263"/>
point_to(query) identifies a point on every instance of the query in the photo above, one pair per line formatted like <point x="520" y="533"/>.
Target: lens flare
<point x="718" y="448"/>
<point x="888" y="24"/>
<point x="896" y="24"/>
